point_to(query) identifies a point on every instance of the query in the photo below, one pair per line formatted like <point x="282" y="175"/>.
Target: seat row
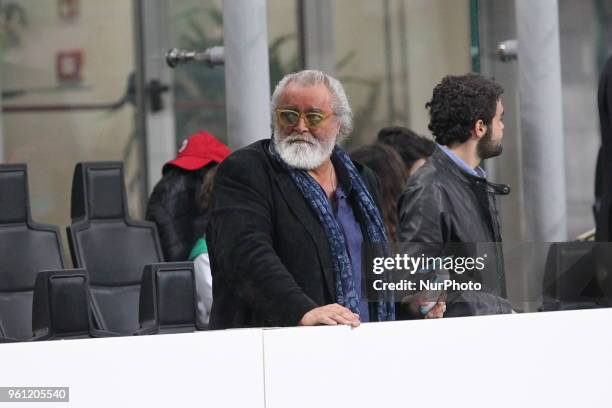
<point x="120" y="286"/>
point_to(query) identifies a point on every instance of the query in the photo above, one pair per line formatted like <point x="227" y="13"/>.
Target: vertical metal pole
<point x="140" y="121"/>
<point x="403" y="41"/>
<point x="541" y="120"/>
<point x="474" y="36"/>
<point x="388" y="49"/>
<point x="317" y="22"/>
<point x="247" y="73"/>
<point x="2" y="158"/>
<point x="160" y="127"/>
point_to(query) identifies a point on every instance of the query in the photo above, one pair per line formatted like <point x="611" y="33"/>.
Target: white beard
<point x="302" y="155"/>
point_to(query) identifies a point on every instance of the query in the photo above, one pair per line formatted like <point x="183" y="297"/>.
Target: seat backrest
<point x="570" y="271"/>
<point x="168" y="298"/>
<point x="111" y="246"/>
<point x="25" y="249"/>
<point x="61" y="305"/>
<point x="3" y="338"/>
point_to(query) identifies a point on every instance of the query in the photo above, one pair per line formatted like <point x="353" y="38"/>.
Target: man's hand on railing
<point x="332" y="315"/>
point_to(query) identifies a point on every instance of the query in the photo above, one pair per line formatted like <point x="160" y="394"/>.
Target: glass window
<point x="199" y="90"/>
<point x="389" y="70"/>
<point x="65" y="70"/>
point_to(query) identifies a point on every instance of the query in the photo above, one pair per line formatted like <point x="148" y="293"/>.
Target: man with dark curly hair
<point x="449" y="199"/>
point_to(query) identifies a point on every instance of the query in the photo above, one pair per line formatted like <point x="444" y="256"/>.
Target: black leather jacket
<point x="444" y="204"/>
<point x="173" y="207"/>
<point x="268" y="251"/>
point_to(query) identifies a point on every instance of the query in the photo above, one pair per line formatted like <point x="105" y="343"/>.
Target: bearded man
<point x="449" y="199"/>
<point x="289" y="215"/>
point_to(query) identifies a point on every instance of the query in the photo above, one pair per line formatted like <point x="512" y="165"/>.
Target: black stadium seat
<point x="61" y="305"/>
<point x="110" y="245"/>
<point x="25" y="249"/>
<point x="163" y="285"/>
<point x="570" y="276"/>
<point x="3" y="338"/>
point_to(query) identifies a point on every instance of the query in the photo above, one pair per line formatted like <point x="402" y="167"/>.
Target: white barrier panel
<point x="559" y="359"/>
<point x="556" y="359"/>
<point x="207" y="369"/>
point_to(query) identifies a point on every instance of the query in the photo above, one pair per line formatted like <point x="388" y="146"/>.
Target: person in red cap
<point x="174" y="203"/>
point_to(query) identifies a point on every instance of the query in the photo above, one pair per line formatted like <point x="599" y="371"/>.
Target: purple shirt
<point x="353" y="237"/>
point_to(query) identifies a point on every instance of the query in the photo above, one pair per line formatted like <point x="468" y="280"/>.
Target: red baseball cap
<point x="197" y="151"/>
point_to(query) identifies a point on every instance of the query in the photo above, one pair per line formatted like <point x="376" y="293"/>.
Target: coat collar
<point x="443" y="160"/>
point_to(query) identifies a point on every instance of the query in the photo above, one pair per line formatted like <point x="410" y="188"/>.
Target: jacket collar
<point x="442" y="160"/>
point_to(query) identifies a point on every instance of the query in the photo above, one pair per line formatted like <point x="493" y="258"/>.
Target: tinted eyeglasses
<point x="291" y="117"/>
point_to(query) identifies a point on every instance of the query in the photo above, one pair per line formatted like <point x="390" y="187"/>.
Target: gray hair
<point x="340" y="104"/>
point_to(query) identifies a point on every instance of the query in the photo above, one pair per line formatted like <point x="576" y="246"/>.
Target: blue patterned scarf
<point x="346" y="295"/>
